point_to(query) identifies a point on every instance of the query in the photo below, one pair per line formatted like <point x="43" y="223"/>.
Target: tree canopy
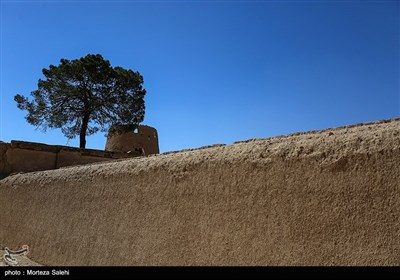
<point x="85" y="95"/>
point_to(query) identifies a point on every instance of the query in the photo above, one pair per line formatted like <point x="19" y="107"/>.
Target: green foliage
<point x="84" y="96"/>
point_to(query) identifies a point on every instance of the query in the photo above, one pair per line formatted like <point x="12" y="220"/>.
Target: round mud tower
<point x="145" y="139"/>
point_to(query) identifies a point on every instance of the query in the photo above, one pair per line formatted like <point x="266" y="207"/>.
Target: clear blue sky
<point x="215" y="72"/>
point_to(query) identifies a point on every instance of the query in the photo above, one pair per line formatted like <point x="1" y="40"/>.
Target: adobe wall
<point x="327" y="197"/>
<point x="145" y="138"/>
<point x="21" y="156"/>
<point x="3" y="159"/>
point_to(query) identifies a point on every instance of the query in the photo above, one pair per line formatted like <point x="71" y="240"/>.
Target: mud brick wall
<point x="328" y="197"/>
<point x="20" y="156"/>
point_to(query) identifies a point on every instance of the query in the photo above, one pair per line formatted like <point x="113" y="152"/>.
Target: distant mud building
<point x="145" y="140"/>
<point x="21" y="156"/>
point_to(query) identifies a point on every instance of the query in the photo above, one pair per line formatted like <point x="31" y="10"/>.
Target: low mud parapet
<point x="21" y="156"/>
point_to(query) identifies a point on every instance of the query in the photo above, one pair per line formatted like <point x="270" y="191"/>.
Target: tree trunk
<point x="82" y="136"/>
